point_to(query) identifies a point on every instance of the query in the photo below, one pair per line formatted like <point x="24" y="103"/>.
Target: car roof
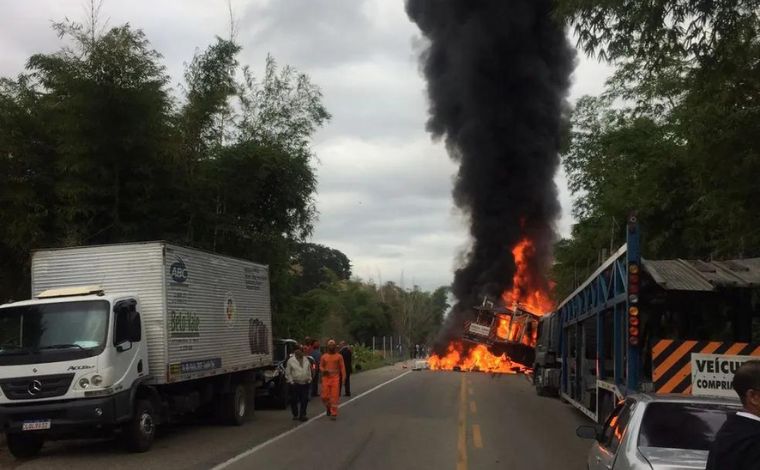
<point x="678" y="398"/>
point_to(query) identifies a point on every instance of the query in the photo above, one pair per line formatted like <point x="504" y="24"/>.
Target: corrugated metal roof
<point x="696" y="275"/>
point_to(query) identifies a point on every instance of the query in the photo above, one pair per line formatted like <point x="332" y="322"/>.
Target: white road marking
<point x="276" y="438"/>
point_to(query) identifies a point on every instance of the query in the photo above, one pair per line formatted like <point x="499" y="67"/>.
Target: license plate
<point x="37" y="425"/>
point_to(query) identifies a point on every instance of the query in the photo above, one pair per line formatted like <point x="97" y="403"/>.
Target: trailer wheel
<point x="235" y="406"/>
<point x="141" y="431"/>
<point x="24" y="446"/>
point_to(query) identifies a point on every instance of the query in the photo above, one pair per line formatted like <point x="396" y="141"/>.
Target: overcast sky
<point x="384" y="187"/>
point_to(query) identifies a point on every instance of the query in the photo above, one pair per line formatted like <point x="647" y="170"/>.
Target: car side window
<point x="615" y="427"/>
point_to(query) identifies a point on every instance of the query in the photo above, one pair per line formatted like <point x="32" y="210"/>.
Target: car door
<point x="602" y="455"/>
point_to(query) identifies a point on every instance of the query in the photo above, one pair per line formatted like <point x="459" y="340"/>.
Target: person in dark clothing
<point x="348" y="355"/>
<point x="316" y="354"/>
<point x="737" y="444"/>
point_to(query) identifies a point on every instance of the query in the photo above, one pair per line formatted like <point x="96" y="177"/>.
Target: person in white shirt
<point x="298" y="376"/>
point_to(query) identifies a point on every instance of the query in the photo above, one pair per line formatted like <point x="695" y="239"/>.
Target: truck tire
<point x="24" y="446"/>
<point x="141" y="431"/>
<point x="235" y="406"/>
<point x="540" y="390"/>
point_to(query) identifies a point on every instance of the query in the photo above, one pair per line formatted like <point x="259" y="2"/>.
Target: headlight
<point x="84" y="382"/>
<point x="97" y="380"/>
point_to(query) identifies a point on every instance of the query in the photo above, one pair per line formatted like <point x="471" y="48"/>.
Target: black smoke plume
<point x="498" y="74"/>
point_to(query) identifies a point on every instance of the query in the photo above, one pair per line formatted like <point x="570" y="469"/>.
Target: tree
<point x="94" y="150"/>
<point x="310" y="262"/>
<point x="675" y="136"/>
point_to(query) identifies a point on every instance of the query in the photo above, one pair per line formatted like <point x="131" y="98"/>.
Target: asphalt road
<point x="396" y="419"/>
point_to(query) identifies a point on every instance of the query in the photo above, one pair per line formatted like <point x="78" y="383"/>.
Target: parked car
<point x="657" y="432"/>
<point x="274" y="388"/>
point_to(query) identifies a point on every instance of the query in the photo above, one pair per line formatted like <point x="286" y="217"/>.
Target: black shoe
<point x="295" y="418"/>
<point x="327" y="412"/>
<point x="347" y="395"/>
<point x="303" y="419"/>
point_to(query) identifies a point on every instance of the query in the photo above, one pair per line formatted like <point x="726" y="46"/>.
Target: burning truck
<point x="498" y="339"/>
<point x="500" y="336"/>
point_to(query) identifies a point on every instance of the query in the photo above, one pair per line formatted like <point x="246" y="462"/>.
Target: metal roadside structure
<point x="664" y="326"/>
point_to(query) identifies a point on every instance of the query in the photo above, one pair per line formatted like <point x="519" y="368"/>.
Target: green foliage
<point x="365" y="359"/>
<point x="676" y="136"/>
<point x="356" y="311"/>
<point x="93" y="149"/>
<point x="317" y="264"/>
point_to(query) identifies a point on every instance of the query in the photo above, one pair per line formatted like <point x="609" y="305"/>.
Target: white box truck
<point x="125" y="337"/>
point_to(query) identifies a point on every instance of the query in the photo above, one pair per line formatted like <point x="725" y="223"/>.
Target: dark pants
<point x="315" y="385"/>
<point x="347" y="385"/>
<point x="299" y="397"/>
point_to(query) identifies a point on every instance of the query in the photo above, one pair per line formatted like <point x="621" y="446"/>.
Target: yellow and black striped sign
<point x="671" y="361"/>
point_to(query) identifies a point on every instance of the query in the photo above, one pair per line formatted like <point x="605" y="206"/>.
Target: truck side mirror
<point x="135" y="327"/>
<point x="127" y="325"/>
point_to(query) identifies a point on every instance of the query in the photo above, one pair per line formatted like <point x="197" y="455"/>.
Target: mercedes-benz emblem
<point x="35" y="387"/>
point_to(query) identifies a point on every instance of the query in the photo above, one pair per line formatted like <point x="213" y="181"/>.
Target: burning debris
<point x="498" y="74"/>
<point x="475" y="359"/>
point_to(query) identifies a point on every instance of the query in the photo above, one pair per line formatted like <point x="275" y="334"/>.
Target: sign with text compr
<point x="713" y="374"/>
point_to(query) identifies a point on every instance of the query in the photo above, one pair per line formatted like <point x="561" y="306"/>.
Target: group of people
<point x="333" y="374"/>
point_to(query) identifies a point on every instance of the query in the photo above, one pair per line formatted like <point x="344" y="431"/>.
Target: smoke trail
<point x="498" y="73"/>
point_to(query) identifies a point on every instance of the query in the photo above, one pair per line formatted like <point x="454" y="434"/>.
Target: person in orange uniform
<point x="333" y="370"/>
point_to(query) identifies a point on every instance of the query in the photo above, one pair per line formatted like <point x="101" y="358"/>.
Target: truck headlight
<point x="84" y="382"/>
<point x="96" y="380"/>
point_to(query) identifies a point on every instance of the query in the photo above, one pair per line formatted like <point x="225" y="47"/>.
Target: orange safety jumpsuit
<point x="333" y="370"/>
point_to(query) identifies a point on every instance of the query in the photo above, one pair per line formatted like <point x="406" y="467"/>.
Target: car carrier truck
<point x="122" y="338"/>
<point x="640" y="325"/>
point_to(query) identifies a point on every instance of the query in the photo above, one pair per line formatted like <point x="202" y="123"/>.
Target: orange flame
<point x="502" y="331"/>
<point x="535" y="300"/>
<point x="478" y="358"/>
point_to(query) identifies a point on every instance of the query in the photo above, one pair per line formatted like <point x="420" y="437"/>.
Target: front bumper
<point x="67" y="417"/>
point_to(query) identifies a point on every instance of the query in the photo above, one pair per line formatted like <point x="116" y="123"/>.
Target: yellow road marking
<point x="477" y="439"/>
<point x="462" y="444"/>
<point x="473" y="407"/>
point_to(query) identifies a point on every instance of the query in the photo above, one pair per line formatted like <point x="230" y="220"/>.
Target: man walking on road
<point x="333" y="370"/>
<point x="315" y="354"/>
<point x="737" y="444"/>
<point x="298" y="375"/>
<point x="347" y="354"/>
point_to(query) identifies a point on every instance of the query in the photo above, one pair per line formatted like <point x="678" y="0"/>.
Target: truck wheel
<point x="540" y="391"/>
<point x="235" y="406"/>
<point x="24" y="446"/>
<point x="141" y="431"/>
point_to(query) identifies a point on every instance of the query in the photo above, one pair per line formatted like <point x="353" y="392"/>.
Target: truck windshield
<point x="682" y="425"/>
<point x="53" y="327"/>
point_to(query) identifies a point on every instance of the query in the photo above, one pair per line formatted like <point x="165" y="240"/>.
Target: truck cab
<point x="70" y="361"/>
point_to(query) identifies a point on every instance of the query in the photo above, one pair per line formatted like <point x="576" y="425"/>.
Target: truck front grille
<point x="30" y="388"/>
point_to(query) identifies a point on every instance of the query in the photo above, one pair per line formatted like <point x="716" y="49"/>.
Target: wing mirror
<point x="124" y="346"/>
<point x="588" y="432"/>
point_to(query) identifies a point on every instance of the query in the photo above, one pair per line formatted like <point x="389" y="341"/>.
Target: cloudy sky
<point x="384" y="187"/>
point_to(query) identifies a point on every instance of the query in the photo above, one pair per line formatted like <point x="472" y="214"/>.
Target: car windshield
<point x="53" y="326"/>
<point x="682" y="425"/>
